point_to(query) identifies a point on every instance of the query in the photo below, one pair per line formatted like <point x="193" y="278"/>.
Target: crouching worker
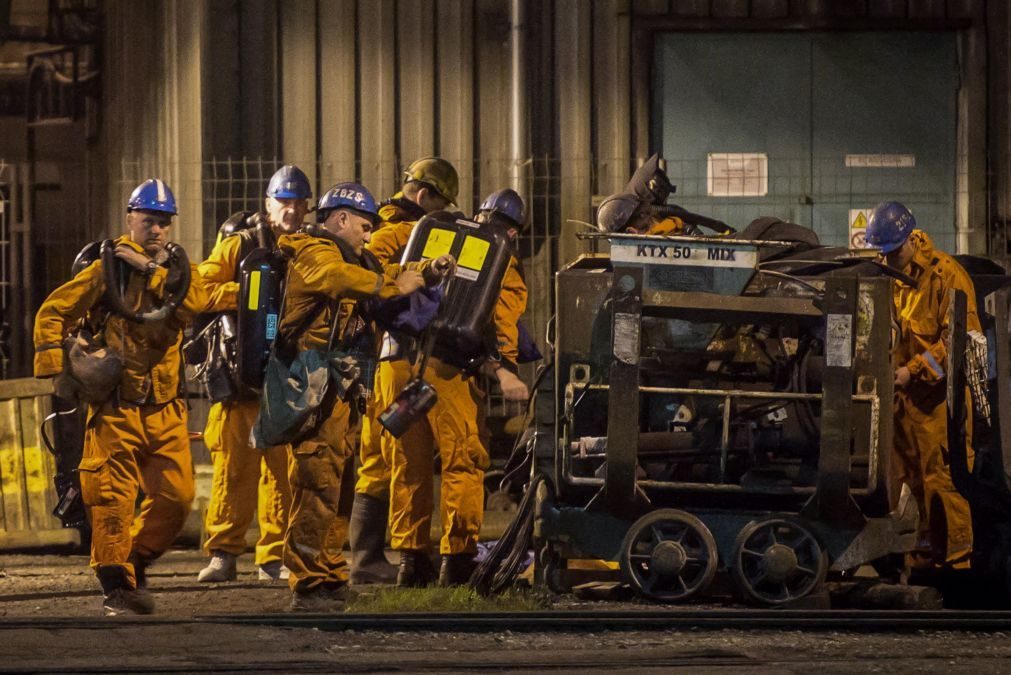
<point x="628" y="214"/>
<point x="328" y="280"/>
<point x="125" y="314"/>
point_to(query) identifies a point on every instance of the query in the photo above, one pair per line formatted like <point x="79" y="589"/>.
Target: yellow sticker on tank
<point x="254" y="290"/>
<point x="474" y="252"/>
<point x="439" y="243"/>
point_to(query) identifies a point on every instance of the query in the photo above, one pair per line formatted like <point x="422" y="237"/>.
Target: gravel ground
<point x="62" y="586"/>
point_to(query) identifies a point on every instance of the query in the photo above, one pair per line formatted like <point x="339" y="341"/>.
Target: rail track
<point x="571" y="621"/>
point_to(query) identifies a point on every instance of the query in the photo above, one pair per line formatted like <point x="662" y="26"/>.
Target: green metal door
<point x="810" y="127"/>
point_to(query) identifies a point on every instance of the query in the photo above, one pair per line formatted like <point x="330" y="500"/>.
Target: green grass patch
<point x="390" y="600"/>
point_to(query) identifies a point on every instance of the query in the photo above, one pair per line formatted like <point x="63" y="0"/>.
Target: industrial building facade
<point x="809" y="110"/>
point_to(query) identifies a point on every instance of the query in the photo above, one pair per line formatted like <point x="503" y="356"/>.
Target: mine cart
<point x="720" y="405"/>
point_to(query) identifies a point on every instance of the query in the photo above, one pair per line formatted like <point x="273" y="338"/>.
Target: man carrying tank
<point x="136" y="439"/>
<point x="430" y="184"/>
<point x="246" y="479"/>
<point x="328" y="279"/>
<point x="920" y="357"/>
<point x="452" y="424"/>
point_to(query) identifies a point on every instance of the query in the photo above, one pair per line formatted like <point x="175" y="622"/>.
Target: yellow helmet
<point x="436" y="173"/>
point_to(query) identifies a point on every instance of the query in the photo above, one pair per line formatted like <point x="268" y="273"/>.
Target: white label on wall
<point x="839" y="341"/>
<point x="880" y="161"/>
<point x="737" y="174"/>
<point x="858" y="226"/>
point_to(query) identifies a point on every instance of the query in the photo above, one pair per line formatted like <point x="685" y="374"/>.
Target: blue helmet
<point x="505" y="202"/>
<point x="152" y="195"/>
<point x="289" y="182"/>
<point x="890" y="225"/>
<point x="348" y="195"/>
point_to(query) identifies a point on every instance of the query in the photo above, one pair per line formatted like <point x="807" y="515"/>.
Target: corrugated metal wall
<point x="200" y="91"/>
<point x="361" y="87"/>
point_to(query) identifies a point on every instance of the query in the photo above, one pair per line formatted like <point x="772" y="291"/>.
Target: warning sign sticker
<point x="472" y="257"/>
<point x="858" y="225"/>
<point x="439" y="243"/>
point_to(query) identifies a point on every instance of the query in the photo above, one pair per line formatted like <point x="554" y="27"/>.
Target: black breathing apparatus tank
<point x="261" y="280"/>
<point x="482" y="253"/>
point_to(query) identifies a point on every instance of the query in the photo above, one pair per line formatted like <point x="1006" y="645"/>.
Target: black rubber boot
<point x="367" y="538"/>
<point x="456" y="569"/>
<point x="416" y="570"/>
<point x="140" y="565"/>
<point x="119" y="598"/>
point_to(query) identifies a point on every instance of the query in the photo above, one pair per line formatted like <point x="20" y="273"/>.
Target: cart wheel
<point x="668" y="555"/>
<point x="554" y="570"/>
<point x="777" y="561"/>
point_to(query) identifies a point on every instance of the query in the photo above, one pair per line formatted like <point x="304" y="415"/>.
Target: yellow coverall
<point x="921" y="433"/>
<point x="245" y="479"/>
<point x="454" y="426"/>
<point x="318" y="275"/>
<point x="389" y="239"/>
<point x="670" y="225"/>
<point x="139" y="441"/>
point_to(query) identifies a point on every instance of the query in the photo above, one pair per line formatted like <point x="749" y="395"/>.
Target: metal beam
<point x="704" y="307"/>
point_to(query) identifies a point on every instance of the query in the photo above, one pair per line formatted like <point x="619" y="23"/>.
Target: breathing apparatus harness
<point x="216" y="363"/>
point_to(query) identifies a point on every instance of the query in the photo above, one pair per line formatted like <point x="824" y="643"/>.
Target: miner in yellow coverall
<point x="328" y="277"/>
<point x="431" y="184"/>
<point x="136" y="439"/>
<point x="921" y="458"/>
<point x="452" y="425"/>
<point x="245" y="479"/>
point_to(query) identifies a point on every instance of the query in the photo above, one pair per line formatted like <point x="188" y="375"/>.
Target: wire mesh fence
<point x="825" y="193"/>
